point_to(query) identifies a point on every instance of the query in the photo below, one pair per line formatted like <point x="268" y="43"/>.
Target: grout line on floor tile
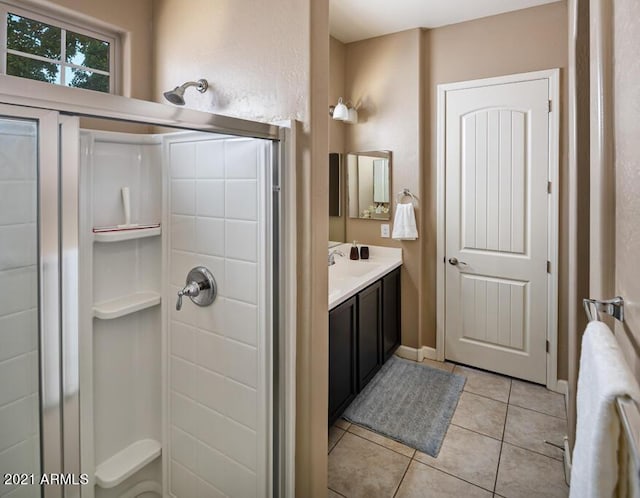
<point x="486" y="397"/>
<point x="495" y="482"/>
<point x="340" y="494"/>
<point x="403" y="476"/>
<point x="538" y="411"/>
<point x="381" y="445"/>
<point x="559" y="459"/>
<point x="455" y="476"/>
<point x="476" y="432"/>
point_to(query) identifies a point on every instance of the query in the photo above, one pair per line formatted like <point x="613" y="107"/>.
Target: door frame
<point x="553" y="78"/>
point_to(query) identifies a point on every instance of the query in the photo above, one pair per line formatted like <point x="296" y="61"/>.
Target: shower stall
<point x="108" y="387"/>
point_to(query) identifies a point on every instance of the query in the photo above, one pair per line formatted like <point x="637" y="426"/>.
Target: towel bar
<point x="405" y="192"/>
<point x="630" y="419"/>
<point x="613" y="307"/>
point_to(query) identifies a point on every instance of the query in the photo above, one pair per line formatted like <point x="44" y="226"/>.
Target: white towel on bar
<point x="604" y="375"/>
<point x="404" y="223"/>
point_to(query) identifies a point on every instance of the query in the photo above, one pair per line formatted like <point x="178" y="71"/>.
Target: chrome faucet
<point x="332" y="256"/>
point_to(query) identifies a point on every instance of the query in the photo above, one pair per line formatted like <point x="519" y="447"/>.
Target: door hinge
<point x="548" y="187"/>
<point x="548" y="346"/>
<point x="550" y="107"/>
<point x="548" y="266"/>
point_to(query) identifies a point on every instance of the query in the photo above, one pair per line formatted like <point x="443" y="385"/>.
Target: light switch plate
<point x="384" y="231"/>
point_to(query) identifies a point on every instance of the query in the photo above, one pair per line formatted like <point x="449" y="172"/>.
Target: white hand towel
<point x="404" y="223"/>
<point x="604" y="375"/>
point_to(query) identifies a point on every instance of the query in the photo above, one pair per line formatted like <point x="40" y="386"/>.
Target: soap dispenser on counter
<point x="354" y="254"/>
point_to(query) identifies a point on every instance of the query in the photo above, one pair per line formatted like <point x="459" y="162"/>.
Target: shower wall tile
<point x="183" y="160"/>
<point x="216" y="390"/>
<point x="210" y="159"/>
<point x="210" y="390"/>
<point x="210" y="198"/>
<point x="183" y="482"/>
<point x="183" y="377"/>
<point x="241" y="281"/>
<point x="18" y="421"/>
<point x="183" y="341"/>
<point x="241" y="403"/>
<point x="210" y="236"/>
<point x="19" y="402"/>
<point x="183" y="233"/>
<point x="242" y="200"/>
<point x="14" y="338"/>
<point x="241" y="240"/>
<point x="184" y="447"/>
<point x="183" y="196"/>
<point x="241" y="322"/>
<point x="20" y="145"/>
<point x="18" y="290"/>
<point x="241" y="159"/>
<point x="17" y="245"/>
<point x="18" y="202"/>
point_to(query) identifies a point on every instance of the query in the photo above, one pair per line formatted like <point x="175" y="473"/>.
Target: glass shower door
<point x="30" y="373"/>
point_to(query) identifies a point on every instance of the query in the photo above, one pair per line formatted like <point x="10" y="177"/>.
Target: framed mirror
<point x="335" y="185"/>
<point x="369" y="181"/>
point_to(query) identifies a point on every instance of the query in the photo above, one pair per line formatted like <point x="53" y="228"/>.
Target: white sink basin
<point x="348" y="277"/>
<point x="352" y="269"/>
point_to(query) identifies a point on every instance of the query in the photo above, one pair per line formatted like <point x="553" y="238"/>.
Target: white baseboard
<point x="429" y="353"/>
<point x="409" y="353"/>
<point x="416" y="354"/>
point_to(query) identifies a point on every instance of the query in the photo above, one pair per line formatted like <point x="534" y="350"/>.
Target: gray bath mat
<point x="409" y="402"/>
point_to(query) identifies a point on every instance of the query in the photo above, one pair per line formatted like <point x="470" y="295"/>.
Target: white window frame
<point x="65" y="23"/>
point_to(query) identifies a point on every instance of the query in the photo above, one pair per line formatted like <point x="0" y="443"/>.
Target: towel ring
<point x="406" y="193"/>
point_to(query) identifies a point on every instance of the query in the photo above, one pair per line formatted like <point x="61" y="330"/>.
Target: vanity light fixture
<point x="344" y="112"/>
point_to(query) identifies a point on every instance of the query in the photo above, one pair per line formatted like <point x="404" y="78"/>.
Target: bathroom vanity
<point x="364" y="321"/>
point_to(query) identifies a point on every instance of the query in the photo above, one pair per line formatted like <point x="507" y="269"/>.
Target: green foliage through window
<point x="35" y="50"/>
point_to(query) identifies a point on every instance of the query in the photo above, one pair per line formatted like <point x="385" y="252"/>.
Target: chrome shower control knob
<point x="200" y="287"/>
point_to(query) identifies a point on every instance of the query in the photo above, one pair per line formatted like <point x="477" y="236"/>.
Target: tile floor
<point x="494" y="447"/>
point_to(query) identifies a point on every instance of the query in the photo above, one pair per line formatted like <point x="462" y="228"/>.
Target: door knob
<point x="455" y="262"/>
<point x="200" y="287"/>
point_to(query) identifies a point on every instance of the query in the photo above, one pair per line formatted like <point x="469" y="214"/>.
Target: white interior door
<point x="497" y="170"/>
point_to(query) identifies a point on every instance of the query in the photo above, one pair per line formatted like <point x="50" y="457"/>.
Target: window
<point x="46" y="49"/>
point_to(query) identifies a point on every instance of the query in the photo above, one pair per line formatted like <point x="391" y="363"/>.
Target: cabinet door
<point x="391" y="313"/>
<point x="342" y="347"/>
<point x="369" y="333"/>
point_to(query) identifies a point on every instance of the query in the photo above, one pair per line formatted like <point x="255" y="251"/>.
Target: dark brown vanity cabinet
<point x="369" y="334"/>
<point x="364" y="332"/>
<point x="391" y="315"/>
<point x="342" y="350"/>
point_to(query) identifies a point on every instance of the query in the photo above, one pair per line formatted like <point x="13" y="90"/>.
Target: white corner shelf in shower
<point x="126" y="234"/>
<point x="125" y="305"/>
<point x="127" y="462"/>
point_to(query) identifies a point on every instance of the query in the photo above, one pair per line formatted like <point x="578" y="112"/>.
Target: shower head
<point x="176" y="96"/>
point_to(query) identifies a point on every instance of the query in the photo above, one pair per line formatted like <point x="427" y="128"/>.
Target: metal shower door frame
<point x="57" y="239"/>
<point x="71" y="103"/>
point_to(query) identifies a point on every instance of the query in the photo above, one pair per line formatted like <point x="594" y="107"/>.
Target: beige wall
<point x="337" y="55"/>
<point x="516" y="42"/>
<point x="383" y="78"/>
<point x="133" y="20"/>
<point x="626" y="102"/>
<point x="254" y="54"/>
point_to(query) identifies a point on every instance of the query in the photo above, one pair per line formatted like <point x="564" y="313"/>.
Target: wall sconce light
<point x="344" y="112"/>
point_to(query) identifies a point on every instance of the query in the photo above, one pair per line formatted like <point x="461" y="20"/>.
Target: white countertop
<point x="348" y="277"/>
